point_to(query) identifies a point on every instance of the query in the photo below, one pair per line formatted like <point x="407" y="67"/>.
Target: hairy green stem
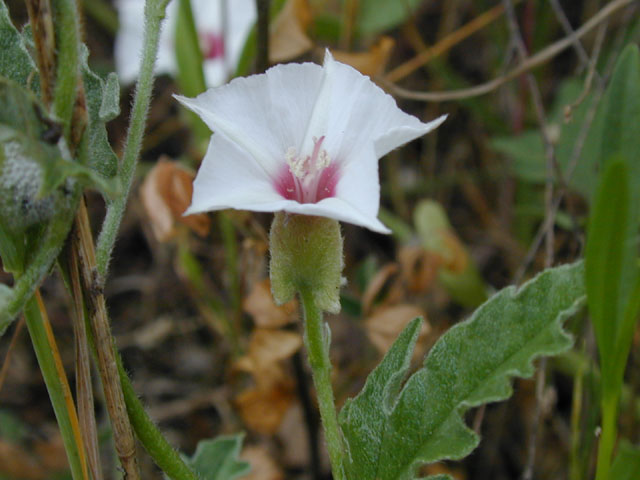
<point x="607" y="436"/>
<point x="317" y="345"/>
<point x="68" y="47"/>
<point x="154" y="13"/>
<point x="165" y="456"/>
<point x="59" y="392"/>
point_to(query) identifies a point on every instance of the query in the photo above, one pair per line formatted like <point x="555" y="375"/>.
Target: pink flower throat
<point x="308" y="179"/>
<point x="212" y="45"/>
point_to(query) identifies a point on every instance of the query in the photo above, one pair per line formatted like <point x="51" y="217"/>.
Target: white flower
<point x="300" y="138"/>
<point x="221" y="42"/>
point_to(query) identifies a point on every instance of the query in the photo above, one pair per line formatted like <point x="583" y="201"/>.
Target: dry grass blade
<point x="40" y="17"/>
<point x="62" y="376"/>
<point x="84" y="389"/>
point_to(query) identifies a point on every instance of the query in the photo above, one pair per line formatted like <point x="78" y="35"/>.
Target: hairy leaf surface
<point x="217" y="459"/>
<point x="390" y="434"/>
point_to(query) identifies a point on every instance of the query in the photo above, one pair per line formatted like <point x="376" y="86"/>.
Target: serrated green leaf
<point x="95" y="151"/>
<point x="15" y="61"/>
<point x="361" y="419"/>
<point x="471" y="364"/>
<point x="217" y="459"/>
<point x="626" y="466"/>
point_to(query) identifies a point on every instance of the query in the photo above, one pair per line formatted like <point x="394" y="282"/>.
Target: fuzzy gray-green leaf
<point x="15" y="61"/>
<point x="217" y="459"/>
<point x="473" y="363"/>
<point x="95" y="150"/>
<point x="362" y="419"/>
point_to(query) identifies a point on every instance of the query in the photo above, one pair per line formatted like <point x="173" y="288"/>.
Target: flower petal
<point x="338" y="209"/>
<point x="229" y="178"/>
<point x="361" y="113"/>
<point x="359" y="183"/>
<point x="262" y="114"/>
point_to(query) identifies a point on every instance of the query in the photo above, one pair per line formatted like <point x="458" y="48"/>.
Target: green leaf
<point x="375" y="16"/>
<point x="608" y="249"/>
<point x="15" y="61"/>
<point x="110" y="106"/>
<point x="616" y="126"/>
<point x="389" y="436"/>
<point x="102" y="105"/>
<point x="363" y="419"/>
<point x="217" y="459"/>
<point x="626" y="466"/>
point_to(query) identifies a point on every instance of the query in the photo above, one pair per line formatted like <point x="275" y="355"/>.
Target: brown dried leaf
<point x="263" y="467"/>
<point x="386" y="323"/>
<point x="373" y="62"/>
<point x="166" y="194"/>
<point x="267" y="348"/>
<point x="266" y="314"/>
<point x="419" y="267"/>
<point x="263" y="409"/>
<point x="288" y="38"/>
<point x="271" y="346"/>
<point x="384" y="288"/>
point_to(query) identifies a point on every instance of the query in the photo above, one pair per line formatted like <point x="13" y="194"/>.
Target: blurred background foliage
<point x="189" y="297"/>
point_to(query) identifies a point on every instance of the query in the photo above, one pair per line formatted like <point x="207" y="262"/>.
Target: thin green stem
<point x="68" y="47"/>
<point x="607" y="436"/>
<point x="59" y="392"/>
<point x="165" y="456"/>
<point x="147" y="432"/>
<point x="318" y="350"/>
<point x="154" y="13"/>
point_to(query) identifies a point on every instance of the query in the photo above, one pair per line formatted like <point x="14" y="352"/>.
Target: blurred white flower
<point x="221" y="42"/>
<point x="300" y="138"/>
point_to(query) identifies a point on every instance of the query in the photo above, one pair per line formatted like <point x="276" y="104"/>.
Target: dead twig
<point x="534" y="61"/>
<point x="551" y="167"/>
<point x="84" y="389"/>
<point x="122" y="432"/>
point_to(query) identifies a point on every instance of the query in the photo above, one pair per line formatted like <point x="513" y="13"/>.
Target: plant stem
<point x="57" y="385"/>
<point x="151" y="438"/>
<point x="82" y="245"/>
<point x="607" y="436"/>
<point x="318" y="350"/>
<point x="67" y="43"/>
<point x="165" y="456"/>
<point x="154" y="13"/>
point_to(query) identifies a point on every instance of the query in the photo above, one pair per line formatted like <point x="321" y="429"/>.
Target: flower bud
<point x="306" y="253"/>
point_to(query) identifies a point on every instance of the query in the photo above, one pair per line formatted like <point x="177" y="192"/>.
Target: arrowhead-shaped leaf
<point x="389" y="434"/>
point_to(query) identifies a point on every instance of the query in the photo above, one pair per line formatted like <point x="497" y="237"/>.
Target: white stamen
<point x="306" y="168"/>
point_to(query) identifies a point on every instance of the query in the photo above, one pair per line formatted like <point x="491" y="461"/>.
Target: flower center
<point x="212" y="45"/>
<point x="308" y="179"/>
